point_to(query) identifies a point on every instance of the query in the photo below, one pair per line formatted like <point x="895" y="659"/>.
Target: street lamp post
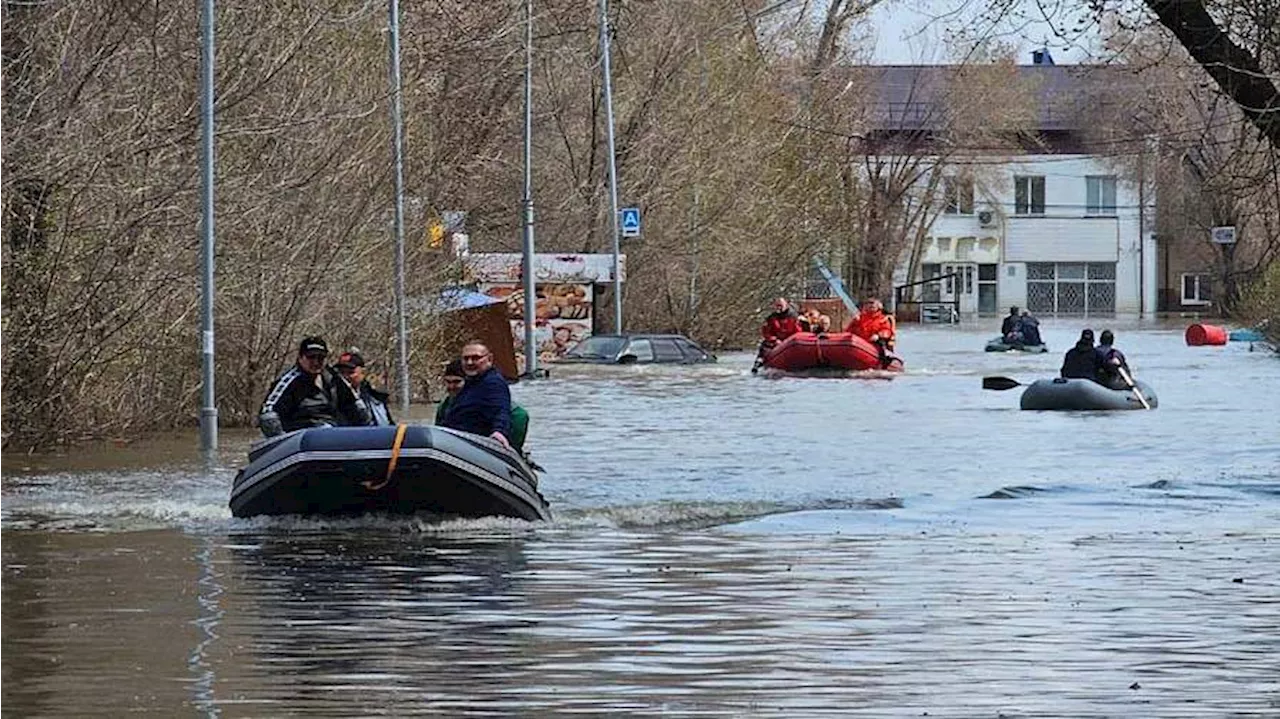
<point x="397" y="120"/>
<point x="613" y="166"/>
<point x="209" y="408"/>
<point x="530" y="297"/>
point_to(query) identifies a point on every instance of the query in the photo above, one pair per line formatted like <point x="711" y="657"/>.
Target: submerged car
<point x="628" y="349"/>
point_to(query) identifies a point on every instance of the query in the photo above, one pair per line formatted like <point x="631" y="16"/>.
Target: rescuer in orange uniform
<point x="873" y="325"/>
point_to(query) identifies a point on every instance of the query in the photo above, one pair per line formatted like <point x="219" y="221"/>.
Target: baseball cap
<point x="313" y="344"/>
<point x="350" y="358"/>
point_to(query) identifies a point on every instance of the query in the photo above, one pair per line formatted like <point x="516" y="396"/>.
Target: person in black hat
<point x="309" y="394"/>
<point x="1081" y="361"/>
<point x="350" y="365"/>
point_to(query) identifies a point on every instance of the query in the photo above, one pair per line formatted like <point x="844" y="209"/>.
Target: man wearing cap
<point x="308" y="394"/>
<point x="350" y="365"/>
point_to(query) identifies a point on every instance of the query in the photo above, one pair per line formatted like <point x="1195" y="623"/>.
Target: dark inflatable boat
<point x="401" y="470"/>
<point x="1083" y="394"/>
<point x="999" y="345"/>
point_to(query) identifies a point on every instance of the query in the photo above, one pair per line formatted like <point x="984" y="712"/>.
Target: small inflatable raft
<point x="1083" y="394"/>
<point x="999" y="345"/>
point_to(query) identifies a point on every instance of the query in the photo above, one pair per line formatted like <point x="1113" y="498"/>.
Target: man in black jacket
<point x="350" y="365"/>
<point x="1110" y="362"/>
<point x="309" y="394"/>
<point x="1081" y="361"/>
<point x="1010" y="325"/>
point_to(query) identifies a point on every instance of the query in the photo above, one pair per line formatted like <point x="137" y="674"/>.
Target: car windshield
<point x="597" y="347"/>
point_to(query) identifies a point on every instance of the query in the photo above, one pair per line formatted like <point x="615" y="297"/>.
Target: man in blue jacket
<point x="484" y="404"/>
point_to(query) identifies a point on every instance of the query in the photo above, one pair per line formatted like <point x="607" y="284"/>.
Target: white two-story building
<point x="1053" y="229"/>
<point x="1064" y="237"/>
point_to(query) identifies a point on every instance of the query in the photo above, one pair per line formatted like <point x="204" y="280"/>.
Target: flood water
<point x="723" y="545"/>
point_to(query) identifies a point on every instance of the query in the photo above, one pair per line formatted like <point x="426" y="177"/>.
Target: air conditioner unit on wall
<point x="986" y="218"/>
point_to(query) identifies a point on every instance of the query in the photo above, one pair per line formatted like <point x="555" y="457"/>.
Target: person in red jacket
<point x="874" y="326"/>
<point x="780" y="325"/>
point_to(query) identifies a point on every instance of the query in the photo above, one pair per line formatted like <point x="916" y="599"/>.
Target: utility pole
<point x="613" y="167"/>
<point x="209" y="409"/>
<point x="530" y="292"/>
<point x="397" y="119"/>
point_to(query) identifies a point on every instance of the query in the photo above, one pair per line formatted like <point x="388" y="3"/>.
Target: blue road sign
<point x="631" y="222"/>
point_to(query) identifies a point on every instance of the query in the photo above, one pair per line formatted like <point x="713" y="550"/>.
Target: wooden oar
<point x="1124" y="375"/>
<point x="999" y="384"/>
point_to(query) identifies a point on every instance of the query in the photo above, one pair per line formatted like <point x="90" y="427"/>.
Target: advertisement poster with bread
<point x="565" y="296"/>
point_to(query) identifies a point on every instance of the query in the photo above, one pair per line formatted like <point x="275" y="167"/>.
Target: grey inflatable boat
<point x="1083" y="394"/>
<point x="999" y="345"/>
<point x="353" y="470"/>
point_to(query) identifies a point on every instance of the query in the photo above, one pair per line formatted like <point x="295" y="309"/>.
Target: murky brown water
<point x="724" y="545"/>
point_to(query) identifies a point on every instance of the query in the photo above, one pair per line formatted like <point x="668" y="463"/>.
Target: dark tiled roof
<point x="914" y="97"/>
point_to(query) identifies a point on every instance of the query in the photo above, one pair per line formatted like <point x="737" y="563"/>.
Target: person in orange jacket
<point x="874" y="326"/>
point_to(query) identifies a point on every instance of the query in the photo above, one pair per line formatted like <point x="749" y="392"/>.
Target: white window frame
<point x="1030" y="208"/>
<point x="1182" y="288"/>
<point x="957" y="195"/>
<point x="1096" y="190"/>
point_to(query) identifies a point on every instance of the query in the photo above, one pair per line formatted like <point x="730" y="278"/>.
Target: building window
<point x="1100" y="191"/>
<point x="1028" y="195"/>
<point x="959" y="195"/>
<point x="1195" y="290"/>
<point x="1071" y="288"/>
<point x="932" y="290"/>
<point x="988" y="277"/>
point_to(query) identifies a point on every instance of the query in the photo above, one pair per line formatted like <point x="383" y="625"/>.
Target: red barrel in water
<point x="1198" y="334"/>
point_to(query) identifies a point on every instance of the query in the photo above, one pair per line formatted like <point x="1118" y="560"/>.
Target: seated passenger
<point x="1110" y="361"/>
<point x="309" y="394"/>
<point x="1010" y="324"/>
<point x="453" y="381"/>
<point x="1029" y="328"/>
<point x="350" y="365"/>
<point x="1081" y="361"/>
<point x="808" y="321"/>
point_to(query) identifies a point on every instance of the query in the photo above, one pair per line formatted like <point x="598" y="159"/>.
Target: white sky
<point x="909" y="32"/>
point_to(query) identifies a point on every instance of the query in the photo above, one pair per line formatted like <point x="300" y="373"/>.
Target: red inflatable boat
<point x="837" y="350"/>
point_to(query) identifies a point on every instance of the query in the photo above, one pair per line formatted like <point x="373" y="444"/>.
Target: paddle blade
<point x="999" y="383"/>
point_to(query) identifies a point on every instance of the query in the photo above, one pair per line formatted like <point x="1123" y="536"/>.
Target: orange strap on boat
<point x="395" y="457"/>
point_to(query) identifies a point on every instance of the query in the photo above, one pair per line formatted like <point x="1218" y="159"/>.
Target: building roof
<point x="915" y="97"/>
<point x="450" y="300"/>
